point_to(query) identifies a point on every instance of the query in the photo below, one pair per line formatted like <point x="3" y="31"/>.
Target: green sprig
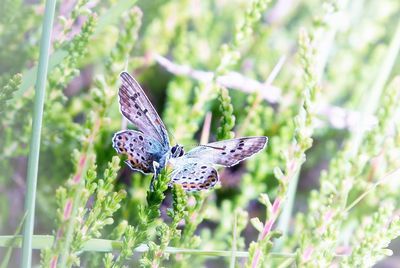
<point x="8" y="90"/>
<point x="230" y="55"/>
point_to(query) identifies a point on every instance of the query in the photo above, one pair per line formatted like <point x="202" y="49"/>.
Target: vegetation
<point x="321" y="79"/>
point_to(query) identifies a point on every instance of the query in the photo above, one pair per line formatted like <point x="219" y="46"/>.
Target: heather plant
<point x="320" y="79"/>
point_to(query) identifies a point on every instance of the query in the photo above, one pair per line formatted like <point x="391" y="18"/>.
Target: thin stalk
<point x="286" y="263"/>
<point x="372" y="188"/>
<point x="70" y="224"/>
<point x="284" y="219"/>
<point x="373" y="95"/>
<point x="104" y="245"/>
<point x="7" y="255"/>
<point x="259" y="97"/>
<point x="233" y="251"/>
<point x="33" y="161"/>
<point x="80" y="180"/>
<point x="205" y="133"/>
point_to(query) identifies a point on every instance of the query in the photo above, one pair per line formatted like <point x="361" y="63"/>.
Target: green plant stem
<point x="7" y="255"/>
<point x="33" y="161"/>
<point x="233" y="251"/>
<point x="372" y="96"/>
<point x="83" y="166"/>
<point x="284" y="219"/>
<point x="270" y="79"/>
<point x="104" y="245"/>
<point x="70" y="225"/>
<point x="372" y="188"/>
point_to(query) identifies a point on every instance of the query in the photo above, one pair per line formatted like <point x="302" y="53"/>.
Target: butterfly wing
<point x="141" y="151"/>
<point x="194" y="170"/>
<point x="193" y="175"/>
<point x="228" y="152"/>
<point x="137" y="108"/>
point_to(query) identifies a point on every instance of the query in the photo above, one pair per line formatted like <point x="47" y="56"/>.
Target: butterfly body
<point x="148" y="149"/>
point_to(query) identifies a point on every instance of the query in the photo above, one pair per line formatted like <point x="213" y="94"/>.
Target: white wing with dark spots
<point x="228" y="152"/>
<point x="195" y="171"/>
<point x="194" y="176"/>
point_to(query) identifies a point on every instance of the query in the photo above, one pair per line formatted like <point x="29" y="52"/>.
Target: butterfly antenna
<point x="213" y="147"/>
<point x="205" y="145"/>
<point x="191" y="145"/>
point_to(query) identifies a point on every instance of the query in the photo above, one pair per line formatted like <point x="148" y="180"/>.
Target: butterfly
<point x="148" y="149"/>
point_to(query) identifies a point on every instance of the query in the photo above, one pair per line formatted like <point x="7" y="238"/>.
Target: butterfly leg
<point x="156" y="171"/>
<point x="153" y="179"/>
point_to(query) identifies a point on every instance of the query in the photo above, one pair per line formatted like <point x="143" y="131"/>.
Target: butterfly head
<point x="177" y="151"/>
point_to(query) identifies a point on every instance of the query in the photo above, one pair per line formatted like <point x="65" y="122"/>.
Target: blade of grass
<point x="387" y="177"/>
<point x="38" y="241"/>
<point x="286" y="263"/>
<point x="104" y="245"/>
<point x="271" y="77"/>
<point x="371" y="98"/>
<point x="233" y="251"/>
<point x="7" y="256"/>
<point x="34" y="147"/>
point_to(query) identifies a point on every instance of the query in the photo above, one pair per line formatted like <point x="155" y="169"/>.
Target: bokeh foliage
<point x="324" y="191"/>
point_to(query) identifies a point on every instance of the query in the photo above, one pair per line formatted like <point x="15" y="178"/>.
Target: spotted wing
<point x="140" y="150"/>
<point x="137" y="108"/>
<point x="194" y="176"/>
<point x="228" y="152"/>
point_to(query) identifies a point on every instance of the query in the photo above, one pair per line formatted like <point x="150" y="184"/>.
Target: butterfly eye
<point x="181" y="152"/>
<point x="173" y="149"/>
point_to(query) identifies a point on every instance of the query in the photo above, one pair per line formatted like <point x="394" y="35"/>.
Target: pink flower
<point x="53" y="262"/>
<point x="307" y="254"/>
<point x="67" y="209"/>
<point x="276" y="206"/>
